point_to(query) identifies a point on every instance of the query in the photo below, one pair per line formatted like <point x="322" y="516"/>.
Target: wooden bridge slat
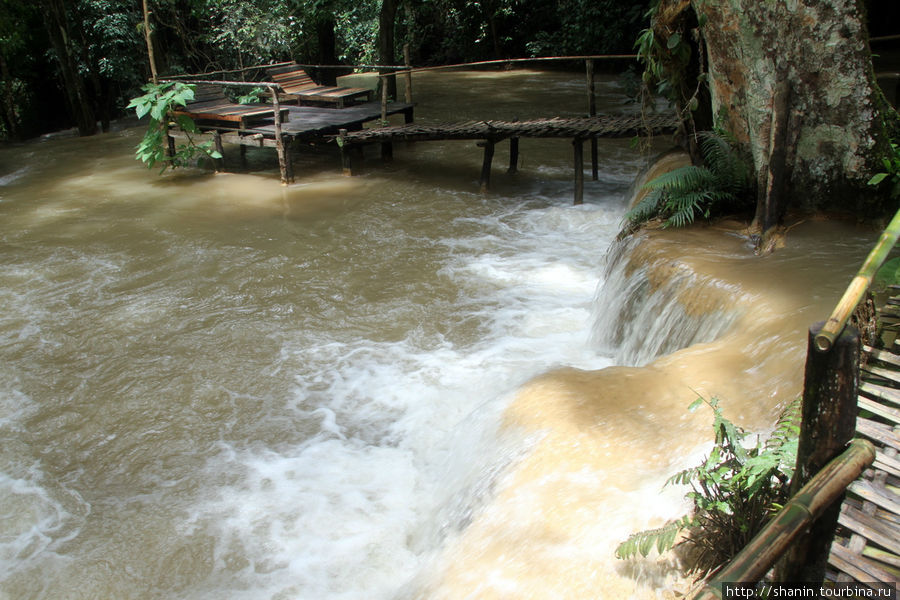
<point x="891" y="414"/>
<point x="869" y="527"/>
<point x="859" y="568"/>
<point x="890" y="561"/>
<point x="885" y="393"/>
<point x="878" y="432"/>
<point x="887" y="464"/>
<point x="883" y="355"/>
<point x="866" y="490"/>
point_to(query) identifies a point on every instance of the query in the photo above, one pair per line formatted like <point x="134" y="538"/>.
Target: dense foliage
<point x="92" y="52"/>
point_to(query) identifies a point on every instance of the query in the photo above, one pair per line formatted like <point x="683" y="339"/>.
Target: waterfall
<point x="650" y="305"/>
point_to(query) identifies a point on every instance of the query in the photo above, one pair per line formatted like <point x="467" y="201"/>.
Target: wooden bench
<point x="298" y="86"/>
<point x="211" y="107"/>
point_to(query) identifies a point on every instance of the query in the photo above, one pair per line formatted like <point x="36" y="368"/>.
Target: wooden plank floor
<point x="866" y="547"/>
<point x="310" y="122"/>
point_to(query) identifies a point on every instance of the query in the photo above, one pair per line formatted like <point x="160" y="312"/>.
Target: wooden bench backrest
<point x="207" y="92"/>
<point x="292" y="79"/>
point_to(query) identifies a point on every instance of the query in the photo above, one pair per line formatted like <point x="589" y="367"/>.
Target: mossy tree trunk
<point x="792" y="80"/>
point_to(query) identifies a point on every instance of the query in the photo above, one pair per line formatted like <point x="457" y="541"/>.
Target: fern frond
<point x="682" y="179"/>
<point x="663" y="538"/>
<point x="647" y="208"/>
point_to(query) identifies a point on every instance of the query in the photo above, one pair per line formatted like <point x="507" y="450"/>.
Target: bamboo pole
<point x="858" y="286"/>
<point x="755" y="560"/>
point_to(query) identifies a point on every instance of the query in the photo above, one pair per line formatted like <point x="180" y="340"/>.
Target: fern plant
<point x="680" y="195"/>
<point x="734" y="492"/>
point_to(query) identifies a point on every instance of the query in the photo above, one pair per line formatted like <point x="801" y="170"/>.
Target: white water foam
<point x="409" y="442"/>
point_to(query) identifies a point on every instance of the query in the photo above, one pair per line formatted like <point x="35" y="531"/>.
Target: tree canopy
<point x="92" y="52"/>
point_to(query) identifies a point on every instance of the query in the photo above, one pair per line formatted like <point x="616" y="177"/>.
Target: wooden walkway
<point x="866" y="547"/>
<point x="579" y="130"/>
<point x="584" y="128"/>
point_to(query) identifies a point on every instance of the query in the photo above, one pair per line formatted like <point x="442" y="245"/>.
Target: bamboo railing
<point x="755" y="560"/>
<point x="859" y="286"/>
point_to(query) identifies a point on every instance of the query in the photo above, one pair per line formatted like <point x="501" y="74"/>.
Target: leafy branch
<point x="159" y="102"/>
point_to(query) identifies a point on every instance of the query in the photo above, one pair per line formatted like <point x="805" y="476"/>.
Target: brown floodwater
<point x="384" y="386"/>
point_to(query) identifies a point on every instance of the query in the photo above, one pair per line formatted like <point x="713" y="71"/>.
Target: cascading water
<point x="648" y="309"/>
<point x="381" y="387"/>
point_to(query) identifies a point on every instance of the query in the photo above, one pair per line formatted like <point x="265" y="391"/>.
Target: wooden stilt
<point x="170" y="144"/>
<point x="279" y="141"/>
<point x="384" y="100"/>
<point x="243" y="156"/>
<point x="513" y="152"/>
<point x="217" y="141"/>
<point x="513" y="156"/>
<point x="592" y="111"/>
<point x="346" y="160"/>
<point x="387" y="151"/>
<point x="289" y="162"/>
<point x="408" y="76"/>
<point x="578" y="143"/>
<point x="486" y="164"/>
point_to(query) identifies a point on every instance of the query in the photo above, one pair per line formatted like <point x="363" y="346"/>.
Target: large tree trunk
<point x="58" y="29"/>
<point x="327" y="48"/>
<point x="792" y="80"/>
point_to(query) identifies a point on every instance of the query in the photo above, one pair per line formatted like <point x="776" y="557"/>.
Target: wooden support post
<point x="592" y="111"/>
<point x="387" y="151"/>
<point x="578" y="143"/>
<point x="244" y="156"/>
<point x="170" y="144"/>
<point x="217" y="141"/>
<point x="513" y="156"/>
<point x="486" y="164"/>
<point x="829" y="411"/>
<point x="408" y="75"/>
<point x="384" y="99"/>
<point x="346" y="160"/>
<point x="289" y="160"/>
<point x="279" y="141"/>
<point x="513" y="153"/>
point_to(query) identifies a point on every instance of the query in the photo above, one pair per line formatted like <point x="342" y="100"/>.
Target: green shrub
<point x="734" y="492"/>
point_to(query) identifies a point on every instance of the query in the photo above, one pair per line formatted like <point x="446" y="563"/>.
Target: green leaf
<point x="878" y="178"/>
<point x="674" y="40"/>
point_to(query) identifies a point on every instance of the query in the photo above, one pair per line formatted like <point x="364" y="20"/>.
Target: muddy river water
<point x="388" y="386"/>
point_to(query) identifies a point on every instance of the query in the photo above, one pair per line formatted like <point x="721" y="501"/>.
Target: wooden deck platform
<point x="866" y="547"/>
<point x="310" y="123"/>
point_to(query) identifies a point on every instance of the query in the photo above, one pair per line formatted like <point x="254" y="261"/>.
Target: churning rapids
<point x="381" y="387"/>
